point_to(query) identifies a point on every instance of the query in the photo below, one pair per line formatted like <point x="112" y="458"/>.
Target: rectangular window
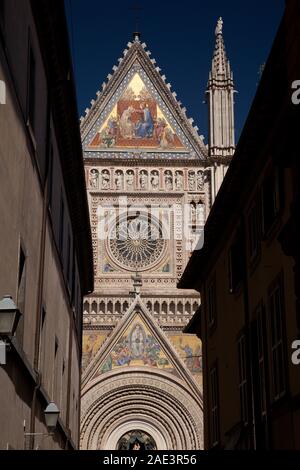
<point x="243" y="383"/>
<point x="254" y="229"/>
<point x="270" y="200"/>
<point x="276" y="318"/>
<point x="42" y="340"/>
<point x="212" y="304"/>
<point x="214" y="407"/>
<point x="21" y="293"/>
<point x="56" y="372"/>
<point x="61" y="225"/>
<point x="236" y="262"/>
<point x="261" y="357"/>
<point x="31" y="87"/>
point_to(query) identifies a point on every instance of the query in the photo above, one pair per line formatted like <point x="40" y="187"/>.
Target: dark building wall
<point x="45" y="243"/>
<point x="247" y="272"/>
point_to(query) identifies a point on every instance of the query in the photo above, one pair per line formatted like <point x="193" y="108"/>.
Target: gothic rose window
<point x="136" y="242"/>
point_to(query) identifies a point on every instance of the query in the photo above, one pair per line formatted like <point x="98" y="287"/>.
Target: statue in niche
<point x="200" y="214"/>
<point x="200" y="180"/>
<point x="193" y="213"/>
<point x="178" y="180"/>
<point x="130" y="180"/>
<point x="144" y="180"/>
<point x="168" y="180"/>
<point x="119" y="180"/>
<point x="207" y="176"/>
<point x="192" y="181"/>
<point x="105" y="179"/>
<point x="155" y="180"/>
<point x="94" y="177"/>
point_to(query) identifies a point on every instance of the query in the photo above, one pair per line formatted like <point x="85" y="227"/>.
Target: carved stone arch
<point x="118" y="307"/>
<point x="109" y="307"/>
<point x="172" y="307"/>
<point x="102" y="309"/>
<point x="156" y="308"/>
<point x="94" y="307"/>
<point x="188" y="308"/>
<point x="155" y="402"/>
<point x="86" y="307"/>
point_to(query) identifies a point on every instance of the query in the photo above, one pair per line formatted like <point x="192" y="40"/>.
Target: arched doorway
<point x="157" y="405"/>
<point x="136" y="440"/>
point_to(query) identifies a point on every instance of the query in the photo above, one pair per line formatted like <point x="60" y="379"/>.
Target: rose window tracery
<point x="136" y="242"/>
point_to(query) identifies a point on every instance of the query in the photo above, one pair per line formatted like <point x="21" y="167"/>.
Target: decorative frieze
<point x="122" y="179"/>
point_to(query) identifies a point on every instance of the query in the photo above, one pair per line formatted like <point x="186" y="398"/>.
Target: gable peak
<point x="137" y="54"/>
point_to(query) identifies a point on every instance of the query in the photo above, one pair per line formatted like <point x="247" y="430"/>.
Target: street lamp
<point x="9" y="316"/>
<point x="51" y="414"/>
<point x="9" y="319"/>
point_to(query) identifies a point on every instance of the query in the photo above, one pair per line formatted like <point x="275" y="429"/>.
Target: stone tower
<point x="220" y="99"/>
<point x="148" y="176"/>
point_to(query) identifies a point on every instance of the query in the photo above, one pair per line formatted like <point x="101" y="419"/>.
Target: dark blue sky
<point x="180" y="36"/>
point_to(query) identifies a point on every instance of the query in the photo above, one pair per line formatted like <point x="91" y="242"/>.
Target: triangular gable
<point x="136" y="121"/>
<point x="137" y="113"/>
<point x="138" y="341"/>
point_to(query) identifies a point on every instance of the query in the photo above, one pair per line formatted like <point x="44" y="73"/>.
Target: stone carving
<point x="179" y="180"/>
<point x="119" y="179"/>
<point x="200" y="180"/>
<point x="168" y="180"/>
<point x="192" y="181"/>
<point x="105" y="179"/>
<point x="200" y="213"/>
<point x="207" y="176"/>
<point x="193" y="213"/>
<point x="132" y="247"/>
<point x="154" y="179"/>
<point x="144" y="180"/>
<point x="152" y="397"/>
<point x="130" y="180"/>
<point x="219" y="28"/>
<point x="94" y="178"/>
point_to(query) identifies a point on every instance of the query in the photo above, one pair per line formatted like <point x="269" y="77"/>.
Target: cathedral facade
<point x="151" y="181"/>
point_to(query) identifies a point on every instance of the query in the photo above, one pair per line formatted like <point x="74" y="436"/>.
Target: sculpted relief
<point x="143" y="179"/>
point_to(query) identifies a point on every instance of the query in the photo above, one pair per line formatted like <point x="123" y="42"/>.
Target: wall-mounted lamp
<point x="9" y="319"/>
<point x="51" y="414"/>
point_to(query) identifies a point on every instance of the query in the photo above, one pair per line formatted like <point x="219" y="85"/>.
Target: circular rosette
<point x="136" y="243"/>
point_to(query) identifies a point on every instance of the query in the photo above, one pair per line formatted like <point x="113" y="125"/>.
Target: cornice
<point x="136" y="162"/>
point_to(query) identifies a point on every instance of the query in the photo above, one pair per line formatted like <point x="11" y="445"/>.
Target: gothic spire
<point x="220" y="99"/>
<point x="220" y="64"/>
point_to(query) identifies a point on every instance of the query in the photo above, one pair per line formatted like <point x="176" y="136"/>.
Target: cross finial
<point x="136" y="10"/>
<point x="219" y="28"/>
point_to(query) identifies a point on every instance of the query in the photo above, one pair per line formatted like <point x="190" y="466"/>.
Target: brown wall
<point x="33" y="375"/>
<point x="221" y="344"/>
